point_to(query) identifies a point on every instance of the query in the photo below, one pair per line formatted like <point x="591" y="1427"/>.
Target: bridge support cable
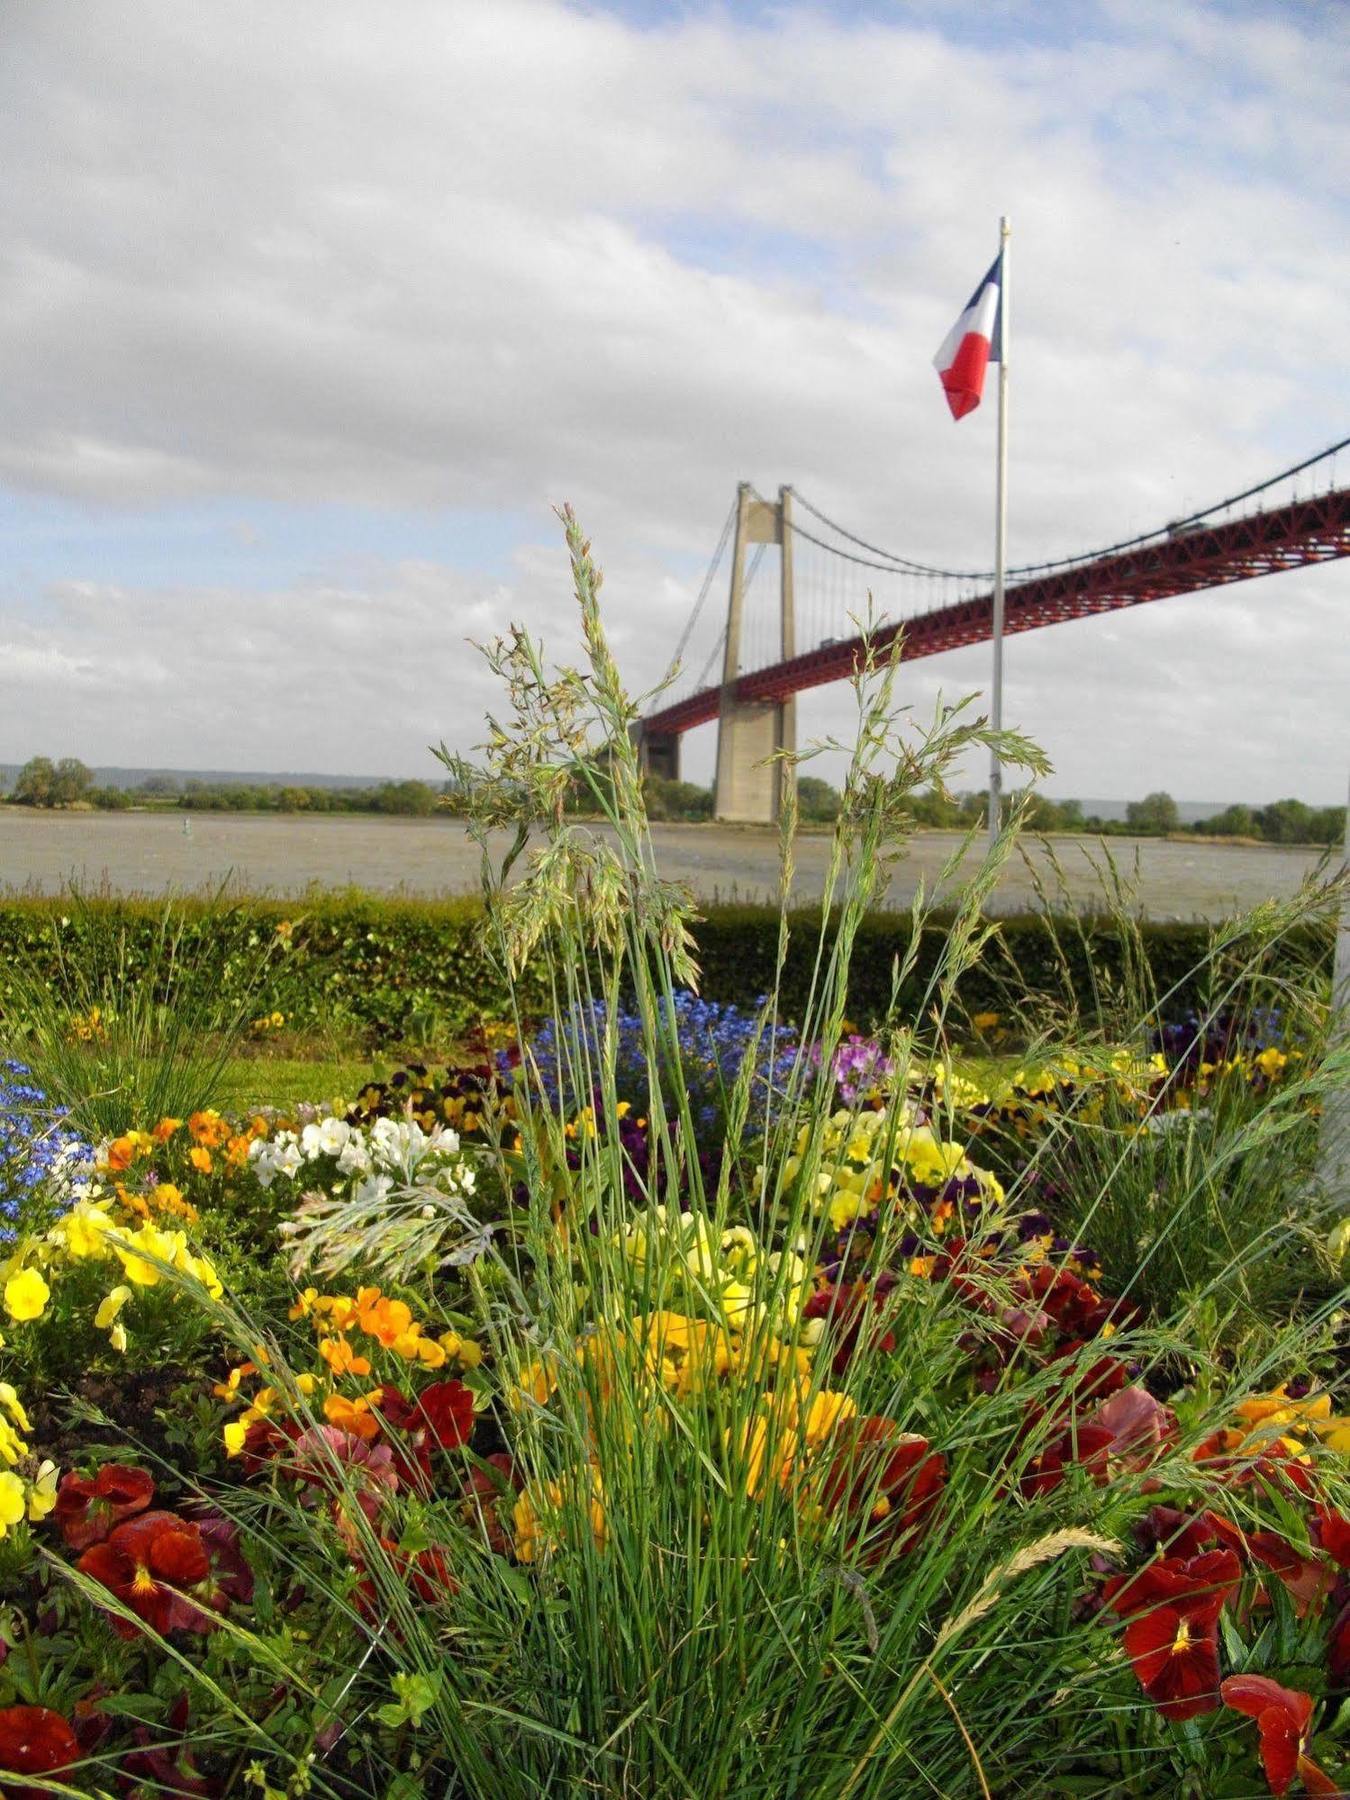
<point x="703" y="593"/>
<point x="1155" y="567"/>
<point x="888" y="558"/>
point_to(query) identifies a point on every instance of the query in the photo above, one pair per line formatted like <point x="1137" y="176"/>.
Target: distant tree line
<point x="44" y="783"/>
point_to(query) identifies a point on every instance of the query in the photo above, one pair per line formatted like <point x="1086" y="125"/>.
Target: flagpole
<point x="1000" y="530"/>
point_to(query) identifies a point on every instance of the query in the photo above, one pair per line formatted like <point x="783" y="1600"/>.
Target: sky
<point x="310" y="316"/>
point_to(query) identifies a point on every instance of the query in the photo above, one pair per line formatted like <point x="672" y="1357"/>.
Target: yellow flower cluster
<point x="1295" y="1421"/>
<point x="687" y="1357"/>
<point x="29" y="1495"/>
<point x="88" y="1028"/>
<point x="866" y="1160"/>
<point x="681" y="1257"/>
<point x="788" y="1430"/>
<point x="539" y="1515"/>
<point x="90" y="1232"/>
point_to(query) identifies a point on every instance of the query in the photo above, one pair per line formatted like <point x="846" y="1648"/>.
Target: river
<point x="150" y="853"/>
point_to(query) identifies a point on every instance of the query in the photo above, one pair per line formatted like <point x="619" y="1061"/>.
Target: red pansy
<point x="1141" y="1427"/>
<point x="1338" y="1651"/>
<point x="1306" y="1578"/>
<point x="1183" y="1534"/>
<point x="1282" y="1718"/>
<point x="1333" y="1534"/>
<point x="87" y="1509"/>
<point x="847" y="1306"/>
<point x="151" y="1564"/>
<point x="1086" y="1445"/>
<point x="484" y="1490"/>
<point x="34" y="1740"/>
<point x="1171" y="1609"/>
<point x="168" y="1769"/>
<point x="887" y="1481"/>
<point x="442" y="1418"/>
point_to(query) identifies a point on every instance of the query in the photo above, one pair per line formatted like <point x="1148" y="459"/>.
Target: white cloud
<point x="458" y="255"/>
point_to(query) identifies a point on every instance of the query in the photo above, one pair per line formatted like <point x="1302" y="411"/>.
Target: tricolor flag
<point x="973" y="343"/>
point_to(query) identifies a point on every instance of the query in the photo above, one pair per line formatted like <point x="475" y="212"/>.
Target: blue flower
<point x="34" y="1147"/>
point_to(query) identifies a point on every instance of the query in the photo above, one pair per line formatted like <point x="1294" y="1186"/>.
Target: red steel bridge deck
<point x="1203" y="556"/>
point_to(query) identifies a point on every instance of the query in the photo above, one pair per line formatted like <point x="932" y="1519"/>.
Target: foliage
<point x="1156" y="814"/>
<point x="388" y="970"/>
<point x="694" y="1403"/>
<point x="41" y="782"/>
<point x="138" y="1021"/>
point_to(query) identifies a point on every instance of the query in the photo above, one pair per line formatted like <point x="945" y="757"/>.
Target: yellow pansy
<point x="536" y="1383"/>
<point x="84" y="1230"/>
<point x="536" y="1515"/>
<point x="42" y="1492"/>
<point x="234" y="1435"/>
<point x="13" y="1501"/>
<point x="145" y="1242"/>
<point x="12" y="1404"/>
<point x="26" y="1295"/>
<point x="110" y="1306"/>
<point x="846" y="1206"/>
<point x="200" y="1270"/>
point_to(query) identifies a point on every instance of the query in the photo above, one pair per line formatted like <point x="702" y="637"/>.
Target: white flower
<point x="311" y="1142"/>
<point x="288" y="1160"/>
<point x="373" y="1191"/>
<point x="333" y="1135"/>
<point x="354" y="1157"/>
<point x="444" y="1142"/>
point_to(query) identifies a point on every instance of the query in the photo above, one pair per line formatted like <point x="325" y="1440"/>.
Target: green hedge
<point x="1064" y="961"/>
<point x="389" y="968"/>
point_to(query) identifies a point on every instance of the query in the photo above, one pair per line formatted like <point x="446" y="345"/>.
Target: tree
<point x="817" y="801"/>
<point x="412" y="797"/>
<point x="1154" y="816"/>
<point x="36" y="782"/>
<point x="72" y="781"/>
<point x="1233" y="821"/>
<point x="1287" y="822"/>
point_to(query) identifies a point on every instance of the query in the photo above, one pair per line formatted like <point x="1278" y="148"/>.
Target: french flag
<point x="972" y="344"/>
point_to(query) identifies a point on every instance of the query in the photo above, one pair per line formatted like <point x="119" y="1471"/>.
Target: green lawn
<point x="253" y="1081"/>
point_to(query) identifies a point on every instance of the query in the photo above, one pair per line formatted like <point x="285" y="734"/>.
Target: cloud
<point x="456" y="256"/>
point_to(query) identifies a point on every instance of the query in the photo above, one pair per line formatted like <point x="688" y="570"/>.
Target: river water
<point x="151" y="853"/>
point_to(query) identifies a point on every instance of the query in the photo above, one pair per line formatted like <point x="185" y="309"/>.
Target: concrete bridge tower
<point x="749" y="786"/>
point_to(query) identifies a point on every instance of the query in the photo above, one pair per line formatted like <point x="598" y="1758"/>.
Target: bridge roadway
<point x="1188" y="561"/>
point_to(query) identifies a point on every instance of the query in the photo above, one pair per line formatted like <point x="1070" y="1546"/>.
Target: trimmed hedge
<point x="390" y="968"/>
<point x="1061" y="960"/>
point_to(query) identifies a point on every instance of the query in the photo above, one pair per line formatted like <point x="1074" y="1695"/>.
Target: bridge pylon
<point x="751" y="778"/>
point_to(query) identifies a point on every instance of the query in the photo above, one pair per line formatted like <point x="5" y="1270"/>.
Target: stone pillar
<point x="659" y="753"/>
<point x="748" y="785"/>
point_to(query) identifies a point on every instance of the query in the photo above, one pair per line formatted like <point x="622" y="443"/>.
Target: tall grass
<point x="116" y="1039"/>
<point x="700" y="1616"/>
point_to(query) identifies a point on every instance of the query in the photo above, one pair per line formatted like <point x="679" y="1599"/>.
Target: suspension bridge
<point x="806" y="635"/>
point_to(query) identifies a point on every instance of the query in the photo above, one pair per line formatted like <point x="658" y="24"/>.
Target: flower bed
<point x="689" y="1398"/>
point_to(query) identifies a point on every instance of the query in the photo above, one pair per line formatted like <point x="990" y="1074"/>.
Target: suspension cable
<point x="703" y="593"/>
<point x="903" y="564"/>
<point x="708" y="666"/>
